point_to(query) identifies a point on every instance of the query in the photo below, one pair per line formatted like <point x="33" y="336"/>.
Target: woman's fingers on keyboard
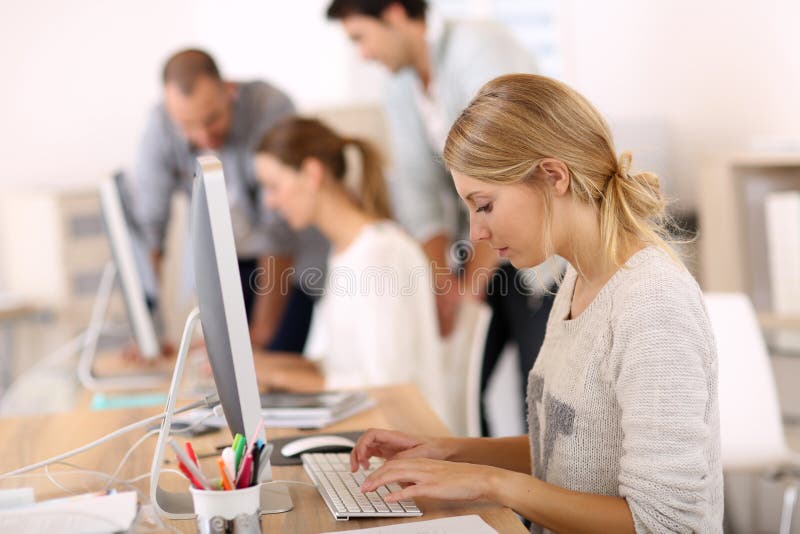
<point x="364" y="449"/>
<point x="434" y="478"/>
<point x="413" y="471"/>
<point x="381" y="443"/>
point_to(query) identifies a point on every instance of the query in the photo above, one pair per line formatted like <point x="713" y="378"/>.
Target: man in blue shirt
<point x="437" y="67"/>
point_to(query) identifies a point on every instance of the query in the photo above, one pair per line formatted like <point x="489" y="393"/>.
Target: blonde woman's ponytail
<point x="631" y="207"/>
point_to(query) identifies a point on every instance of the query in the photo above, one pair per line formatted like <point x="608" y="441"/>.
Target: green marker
<point x="238" y="449"/>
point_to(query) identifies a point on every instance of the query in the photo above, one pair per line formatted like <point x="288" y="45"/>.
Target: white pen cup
<point x="234" y="511"/>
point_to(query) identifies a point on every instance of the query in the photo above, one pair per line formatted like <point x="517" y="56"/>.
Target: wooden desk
<point x="31" y="439"/>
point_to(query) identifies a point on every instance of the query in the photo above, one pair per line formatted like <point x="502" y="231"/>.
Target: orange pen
<point x="226" y="484"/>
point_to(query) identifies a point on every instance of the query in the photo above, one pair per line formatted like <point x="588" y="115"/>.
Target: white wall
<point x="719" y="72"/>
<point x="79" y="77"/>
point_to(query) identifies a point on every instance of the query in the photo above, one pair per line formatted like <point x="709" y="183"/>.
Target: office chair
<point x="752" y="434"/>
<point x="463" y="358"/>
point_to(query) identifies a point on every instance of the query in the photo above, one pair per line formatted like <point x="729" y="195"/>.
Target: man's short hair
<point x="340" y="9"/>
<point x="184" y="68"/>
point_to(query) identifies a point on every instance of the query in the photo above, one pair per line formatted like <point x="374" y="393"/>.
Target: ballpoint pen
<point x="190" y="476"/>
<point x="190" y="466"/>
<point x="256" y="454"/>
<point x="244" y="477"/>
<point x="190" y="453"/>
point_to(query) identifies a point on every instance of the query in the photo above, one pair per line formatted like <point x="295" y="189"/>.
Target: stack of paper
<point x="324" y="406"/>
<point x="465" y="524"/>
<point x="299" y="410"/>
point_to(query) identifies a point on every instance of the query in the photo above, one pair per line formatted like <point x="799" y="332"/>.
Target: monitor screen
<point x="134" y="271"/>
<point x="220" y="299"/>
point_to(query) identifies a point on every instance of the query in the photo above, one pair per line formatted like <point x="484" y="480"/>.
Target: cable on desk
<point x="129" y="484"/>
<point x="149" y="434"/>
<point x="208" y="401"/>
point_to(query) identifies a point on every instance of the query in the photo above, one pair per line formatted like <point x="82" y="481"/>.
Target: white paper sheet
<point x="464" y="524"/>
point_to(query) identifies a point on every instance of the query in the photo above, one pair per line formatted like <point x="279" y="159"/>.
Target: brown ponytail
<point x="296" y="138"/>
<point x="373" y="192"/>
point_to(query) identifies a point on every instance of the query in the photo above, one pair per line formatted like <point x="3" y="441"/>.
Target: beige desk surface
<point x="31" y="439"/>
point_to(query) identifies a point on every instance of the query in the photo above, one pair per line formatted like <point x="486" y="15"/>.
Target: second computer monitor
<point x="135" y="274"/>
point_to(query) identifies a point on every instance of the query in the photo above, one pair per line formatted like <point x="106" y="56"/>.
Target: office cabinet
<point x="53" y="247"/>
<point x="733" y="241"/>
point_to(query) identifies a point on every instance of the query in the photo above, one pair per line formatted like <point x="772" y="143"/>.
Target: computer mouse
<point x="319" y="443"/>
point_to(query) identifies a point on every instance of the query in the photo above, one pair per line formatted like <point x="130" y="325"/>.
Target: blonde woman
<point x="376" y="321"/>
<point x="622" y="400"/>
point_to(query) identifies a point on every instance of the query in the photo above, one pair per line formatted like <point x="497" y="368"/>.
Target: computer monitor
<point x="222" y="315"/>
<point x="134" y="271"/>
<point x="220" y="299"/>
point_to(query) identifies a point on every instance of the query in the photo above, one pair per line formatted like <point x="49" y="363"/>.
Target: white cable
<point x="127" y="455"/>
<point x="143" y="476"/>
<point x="207" y="401"/>
<point x="55" y="482"/>
<point x="144" y="438"/>
<point x="127" y="483"/>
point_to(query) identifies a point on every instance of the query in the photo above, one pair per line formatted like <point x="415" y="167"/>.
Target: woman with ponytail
<point x="623" y="418"/>
<point x="376" y="322"/>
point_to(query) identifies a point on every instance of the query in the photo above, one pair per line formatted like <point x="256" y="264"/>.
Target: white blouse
<point x="376" y="323"/>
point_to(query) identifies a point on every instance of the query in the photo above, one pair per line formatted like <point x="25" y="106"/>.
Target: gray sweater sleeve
<point x="664" y="363"/>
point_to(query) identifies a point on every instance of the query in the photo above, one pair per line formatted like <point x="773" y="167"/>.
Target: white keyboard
<point x="339" y="488"/>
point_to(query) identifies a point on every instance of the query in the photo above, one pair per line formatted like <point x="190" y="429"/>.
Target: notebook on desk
<point x="297" y="410"/>
<point x="323" y="405"/>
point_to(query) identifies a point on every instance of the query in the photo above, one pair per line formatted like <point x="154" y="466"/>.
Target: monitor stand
<point x="91" y="337"/>
<point x="275" y="497"/>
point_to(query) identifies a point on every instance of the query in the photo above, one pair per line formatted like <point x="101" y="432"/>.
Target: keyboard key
<point x="377" y="502"/>
<point x="359" y="477"/>
<point x="394" y="487"/>
<point x="408" y="505"/>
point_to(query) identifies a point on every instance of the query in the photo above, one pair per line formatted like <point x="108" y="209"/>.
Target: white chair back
<point x="463" y="356"/>
<point x="750" y="416"/>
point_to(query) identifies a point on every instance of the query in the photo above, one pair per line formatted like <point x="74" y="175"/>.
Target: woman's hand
<point x="389" y="444"/>
<point x="437" y="479"/>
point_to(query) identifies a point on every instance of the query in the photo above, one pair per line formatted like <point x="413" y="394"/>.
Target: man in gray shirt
<point x="202" y="113"/>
